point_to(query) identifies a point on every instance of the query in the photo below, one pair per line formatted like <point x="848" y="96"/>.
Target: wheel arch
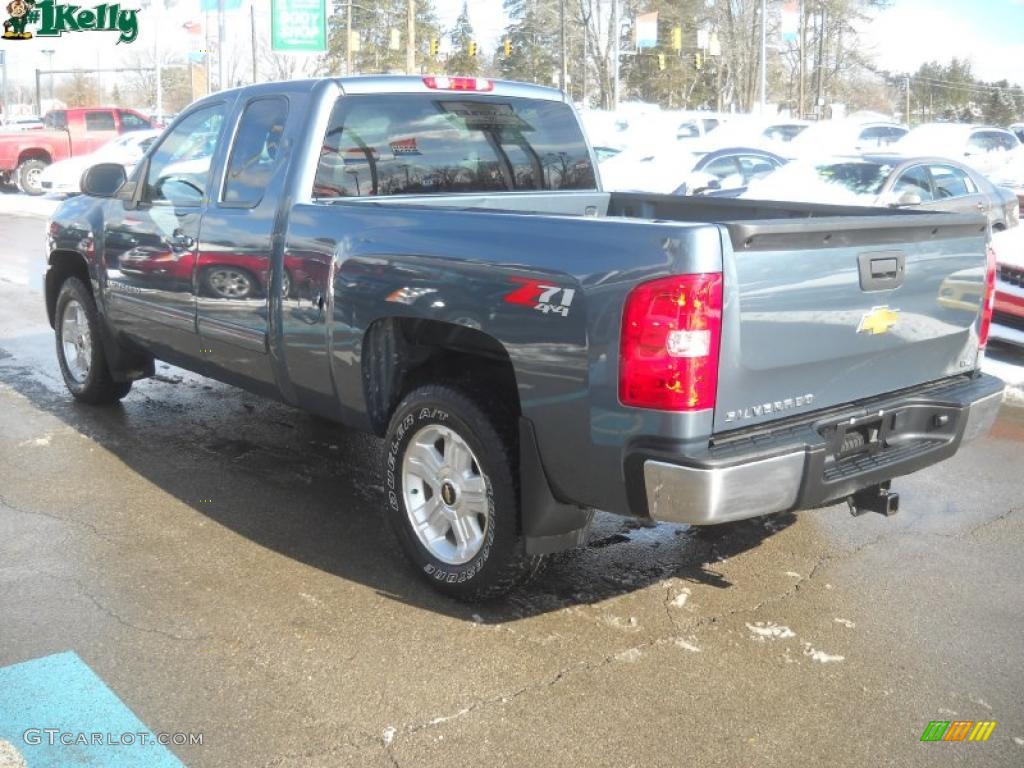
<point x="34" y="153"/>
<point x="402" y="353"/>
<point x="63" y="264"/>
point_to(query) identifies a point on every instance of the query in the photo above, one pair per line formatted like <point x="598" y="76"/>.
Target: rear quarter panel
<point x="474" y="263"/>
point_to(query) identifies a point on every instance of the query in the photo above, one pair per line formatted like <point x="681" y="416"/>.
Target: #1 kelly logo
<point x="54" y="19"/>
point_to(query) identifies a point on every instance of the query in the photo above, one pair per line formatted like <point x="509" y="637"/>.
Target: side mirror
<point x="699" y="183"/>
<point x="907" y="198"/>
<point x="103" y="180"/>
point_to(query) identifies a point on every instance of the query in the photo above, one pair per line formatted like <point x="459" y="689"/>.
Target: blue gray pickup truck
<point x="433" y="260"/>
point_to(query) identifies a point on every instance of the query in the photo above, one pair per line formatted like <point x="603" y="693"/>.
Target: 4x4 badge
<point x="541" y="296"/>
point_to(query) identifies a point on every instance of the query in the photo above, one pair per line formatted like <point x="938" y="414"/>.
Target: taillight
<point x="442" y="83"/>
<point x="668" y="355"/>
<point x="990" y="299"/>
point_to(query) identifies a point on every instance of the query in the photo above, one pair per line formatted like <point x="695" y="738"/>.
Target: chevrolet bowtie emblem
<point x="878" y="320"/>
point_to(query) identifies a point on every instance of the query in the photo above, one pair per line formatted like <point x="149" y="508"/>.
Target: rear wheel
<point x="452" y="497"/>
<point x="29" y="176"/>
<point x="79" y="349"/>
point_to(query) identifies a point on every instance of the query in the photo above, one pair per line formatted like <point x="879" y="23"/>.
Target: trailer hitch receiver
<point x="875" y="498"/>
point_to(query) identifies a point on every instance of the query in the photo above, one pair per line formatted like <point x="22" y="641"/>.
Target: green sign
<point x="298" y="26"/>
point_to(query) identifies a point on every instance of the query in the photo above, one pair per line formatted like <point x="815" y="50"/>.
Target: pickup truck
<point x="432" y="260"/>
<point x="66" y="133"/>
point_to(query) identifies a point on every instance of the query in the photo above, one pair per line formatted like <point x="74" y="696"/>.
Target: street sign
<point x="299" y="26"/>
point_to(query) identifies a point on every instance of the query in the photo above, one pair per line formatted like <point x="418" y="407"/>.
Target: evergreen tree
<point x="461" y="37"/>
<point x="375" y="23"/>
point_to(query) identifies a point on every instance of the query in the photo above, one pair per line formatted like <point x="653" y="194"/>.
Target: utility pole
<point x="564" y="75"/>
<point x="803" y="60"/>
<point x="906" y="83"/>
<point x="410" y="39"/>
<point x="583" y="61"/>
<point x="220" y="45"/>
<point x="252" y="36"/>
<point x="159" y="68"/>
<point x="764" y="57"/>
<point x="615" y="54"/>
<point x="348" y="38"/>
<point x="819" y="104"/>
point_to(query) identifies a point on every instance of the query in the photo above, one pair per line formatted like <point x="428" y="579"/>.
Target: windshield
<point x="861" y="178"/>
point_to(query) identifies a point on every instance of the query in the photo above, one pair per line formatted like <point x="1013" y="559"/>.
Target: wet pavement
<point x="221" y="563"/>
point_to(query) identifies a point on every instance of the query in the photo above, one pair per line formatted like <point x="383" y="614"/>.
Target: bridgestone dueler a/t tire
<point x="501" y="563"/>
<point x="98" y="388"/>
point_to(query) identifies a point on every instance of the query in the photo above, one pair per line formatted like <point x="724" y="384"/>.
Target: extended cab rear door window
<point x="254" y="155"/>
<point x="395" y="144"/>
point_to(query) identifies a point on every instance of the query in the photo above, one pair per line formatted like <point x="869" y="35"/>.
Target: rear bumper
<point x="800" y="465"/>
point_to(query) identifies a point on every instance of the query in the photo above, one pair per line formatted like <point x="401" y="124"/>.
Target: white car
<point x="982" y="147"/>
<point x="63" y="176"/>
<point x="843" y="137"/>
<point x="686" y="170"/>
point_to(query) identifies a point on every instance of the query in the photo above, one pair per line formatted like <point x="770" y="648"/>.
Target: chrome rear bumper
<point x="750" y="486"/>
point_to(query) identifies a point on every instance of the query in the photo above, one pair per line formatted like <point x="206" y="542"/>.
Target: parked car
<point x="63" y="176"/>
<point x="1018" y="130"/>
<point x="68" y="133"/>
<point x="692" y="360"/>
<point x="927" y="183"/>
<point x="1011" y="176"/>
<point x="21" y="124"/>
<point x="982" y="147"/>
<point x="1008" y="315"/>
<point x="679" y="171"/>
<point x="844" y="136"/>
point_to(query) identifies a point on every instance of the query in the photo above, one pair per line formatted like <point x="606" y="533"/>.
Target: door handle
<point x="981" y="206"/>
<point x="179" y="241"/>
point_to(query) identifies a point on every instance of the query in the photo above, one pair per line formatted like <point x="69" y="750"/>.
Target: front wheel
<point x="29" y="176"/>
<point x="452" y="499"/>
<point x="80" y="350"/>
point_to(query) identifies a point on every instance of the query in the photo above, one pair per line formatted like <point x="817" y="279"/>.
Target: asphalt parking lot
<point x="219" y="565"/>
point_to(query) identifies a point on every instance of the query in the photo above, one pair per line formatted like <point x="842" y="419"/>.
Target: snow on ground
<point x="17" y="204"/>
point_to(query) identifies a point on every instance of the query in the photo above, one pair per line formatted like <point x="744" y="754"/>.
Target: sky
<point x="988" y="32"/>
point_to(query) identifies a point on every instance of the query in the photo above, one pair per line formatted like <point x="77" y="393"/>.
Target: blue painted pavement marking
<point x="91" y="726"/>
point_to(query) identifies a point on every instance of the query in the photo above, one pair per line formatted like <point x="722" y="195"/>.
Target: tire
<point x="224" y="282"/>
<point x="80" y="350"/>
<point x="27" y="175"/>
<point x="426" y="458"/>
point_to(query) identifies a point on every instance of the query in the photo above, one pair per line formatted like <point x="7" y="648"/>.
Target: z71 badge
<point x="541" y="296"/>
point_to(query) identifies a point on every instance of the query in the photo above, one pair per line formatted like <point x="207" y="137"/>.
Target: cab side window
<point x="951" y="182"/>
<point x="915" y="180"/>
<point x="255" y="155"/>
<point x="179" y="170"/>
<point x="130" y="122"/>
<point x="99" y="121"/>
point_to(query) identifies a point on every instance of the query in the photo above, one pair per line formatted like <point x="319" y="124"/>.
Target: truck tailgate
<point x="820" y="312"/>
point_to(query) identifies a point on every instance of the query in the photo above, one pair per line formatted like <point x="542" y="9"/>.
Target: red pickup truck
<point x="67" y="132"/>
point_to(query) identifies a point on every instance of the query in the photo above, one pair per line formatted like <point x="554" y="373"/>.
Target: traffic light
<point x="472" y="48"/>
<point x="435" y="46"/>
<point x="698" y="60"/>
<point x="677" y="38"/>
<point x="661" y="61"/>
<point x="508" y="48"/>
